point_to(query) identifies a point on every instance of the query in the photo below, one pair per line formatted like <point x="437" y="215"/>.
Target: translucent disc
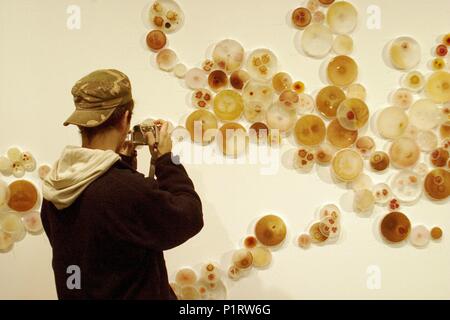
<point x="202" y="126"/>
<point x="166" y="59"/>
<point x="347" y="165"/>
<point x="392" y="122"/>
<point x="262" y="257"/>
<point x="186" y="277"/>
<point x="340" y="137"/>
<point x="228" y="55"/>
<point x="305" y="104"/>
<point x="242" y="259"/>
<point x="365" y="145"/>
<point x="382" y="193"/>
<point x="342" y="17"/>
<point x="343" y="45"/>
<point x="166" y="15"/>
<point x="439" y="157"/>
<point x="414" y="81"/>
<point x="228" y="105"/>
<point x="32" y="222"/>
<point x="12" y="225"/>
<point x="363" y="201"/>
<point x="379" y="161"/>
<point x="258" y="91"/>
<point x="281" y="81"/>
<point x="357" y="91"/>
<point x="328" y="100"/>
<point x="402" y="98"/>
<point x="324" y="153"/>
<point x="4" y="193"/>
<point x="304" y="241"/>
<point x="342" y="71"/>
<point x="405" y="53"/>
<point x="23" y="196"/>
<point x="156" y="40"/>
<point x="310" y="130"/>
<point x="404" y="152"/>
<point x="304" y="159"/>
<point x="201" y="98"/>
<point x="289" y="100"/>
<point x="279" y="118"/>
<point x="195" y="78"/>
<point x="437" y="184"/>
<point x="427" y="140"/>
<point x="232" y="139"/>
<point x="424" y="114"/>
<point x="255" y="111"/>
<point x="217" y="80"/>
<point x="316" y="235"/>
<point x="406" y="186"/>
<point x="330" y="211"/>
<point x="438" y="87"/>
<point x="353" y="114"/>
<point x="316" y="40"/>
<point x="420" y="236"/>
<point x="262" y="64"/>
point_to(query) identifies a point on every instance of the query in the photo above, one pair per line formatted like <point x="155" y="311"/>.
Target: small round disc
<point x="395" y="227"/>
<point x="342" y="71"/>
<point x="270" y="230"/>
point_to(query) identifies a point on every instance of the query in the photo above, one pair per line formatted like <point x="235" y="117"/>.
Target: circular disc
<point x="420" y="236"/>
<point x="414" y="81"/>
<point x="156" y="40"/>
<point x="228" y="55"/>
<point x="392" y="122"/>
<point x="382" y="193"/>
<point x="279" y="118"/>
<point x="166" y="59"/>
<point x="438" y="87"/>
<point x="254" y="111"/>
<point x="301" y="17"/>
<point x="353" y="114"/>
<point x="202" y="126"/>
<point x="281" y="81"/>
<point x="406" y="186"/>
<point x="347" y="165"/>
<point x="186" y="277"/>
<point x="342" y="17"/>
<point x="228" y="105"/>
<point x="195" y="78"/>
<point x="340" y="137"/>
<point x="364" y="201"/>
<point x="330" y="211"/>
<point x="217" y="80"/>
<point x="343" y="45"/>
<point x="328" y="100"/>
<point x="262" y="257"/>
<point x="379" y="161"/>
<point x="437" y="184"/>
<point x="402" y="98"/>
<point x="239" y="78"/>
<point x="395" y="227"/>
<point x="32" y="222"/>
<point x="342" y="71"/>
<point x="258" y="91"/>
<point x="270" y="230"/>
<point x="242" y="259"/>
<point x="316" y="40"/>
<point x="404" y="153"/>
<point x="166" y="15"/>
<point x="357" y="91"/>
<point x="232" y="139"/>
<point x="404" y="53"/>
<point x="23" y="196"/>
<point x="306" y="103"/>
<point x="427" y="140"/>
<point x="201" y="98"/>
<point x="310" y="130"/>
<point x="262" y="64"/>
<point x="425" y="115"/>
<point x="316" y="235"/>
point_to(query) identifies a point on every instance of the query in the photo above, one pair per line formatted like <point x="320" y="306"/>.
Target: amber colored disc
<point x="342" y="71"/>
<point x="339" y="136"/>
<point x="232" y="139"/>
<point x="217" y="80"/>
<point x="185" y="277"/>
<point x="310" y="130"/>
<point x="437" y="184"/>
<point x="260" y="130"/>
<point x="270" y="230"/>
<point x="239" y="78"/>
<point x="242" y="258"/>
<point x="23" y="195"/>
<point x="281" y="81"/>
<point x="228" y="105"/>
<point x="328" y="100"/>
<point x="436" y="233"/>
<point x="445" y="130"/>
<point x="156" y="40"/>
<point x="250" y="242"/>
<point x="353" y="114"/>
<point x="202" y="125"/>
<point x="262" y="257"/>
<point x="347" y="165"/>
<point x="404" y="152"/>
<point x="301" y="17"/>
<point x="379" y="161"/>
<point x="316" y="235"/>
<point x="395" y="227"/>
<point x="326" y="2"/>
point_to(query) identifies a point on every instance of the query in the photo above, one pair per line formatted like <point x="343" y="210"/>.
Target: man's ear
<point x="124" y="122"/>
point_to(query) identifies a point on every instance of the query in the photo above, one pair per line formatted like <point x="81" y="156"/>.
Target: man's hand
<point x="162" y="143"/>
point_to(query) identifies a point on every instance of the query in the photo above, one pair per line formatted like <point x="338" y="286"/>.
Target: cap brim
<point x="89" y="118"/>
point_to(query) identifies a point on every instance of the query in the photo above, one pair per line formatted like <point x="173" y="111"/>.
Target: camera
<point x="138" y="134"/>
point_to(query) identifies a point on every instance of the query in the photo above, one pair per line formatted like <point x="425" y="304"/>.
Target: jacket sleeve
<point x="167" y="212"/>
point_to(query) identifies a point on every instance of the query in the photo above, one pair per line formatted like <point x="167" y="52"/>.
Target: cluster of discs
<point x="207" y="286"/>
<point x="323" y="231"/>
<point x="19" y="200"/>
<point x="270" y="233"/>
<point x="322" y="32"/>
<point x="396" y="227"/>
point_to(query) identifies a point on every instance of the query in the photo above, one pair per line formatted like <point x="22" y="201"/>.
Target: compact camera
<point x="137" y="134"/>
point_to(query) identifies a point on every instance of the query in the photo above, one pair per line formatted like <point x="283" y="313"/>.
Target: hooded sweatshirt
<point x="108" y="225"/>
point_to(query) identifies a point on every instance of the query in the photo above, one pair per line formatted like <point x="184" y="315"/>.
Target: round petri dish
<point x="239" y="78"/>
<point x="316" y="40"/>
<point x="404" y="53"/>
<point x="439" y="157"/>
<point x="281" y="81"/>
<point x="195" y="78"/>
<point x="353" y="114"/>
<point x="202" y="126"/>
<point x="217" y="80"/>
<point x="379" y="161"/>
<point x="437" y="87"/>
<point x="4" y="193"/>
<point x="427" y="140"/>
<point x="289" y="100"/>
<point x="364" y="201"/>
<point x="255" y="111"/>
<point x="342" y="17"/>
<point x="262" y="64"/>
<point x="228" y="105"/>
<point x="357" y="91"/>
<point x="420" y="236"/>
<point x="406" y="186"/>
<point x="342" y="71"/>
<point x="414" y="81"/>
<point x="404" y="153"/>
<point x="382" y="193"/>
<point x="279" y="118"/>
<point x="340" y="137"/>
<point x="156" y="40"/>
<point x="315" y="233"/>
<point x="23" y="196"/>
<point x="425" y="115"/>
<point x="185" y="277"/>
<point x="365" y="146"/>
<point x="166" y="15"/>
<point x="437" y="184"/>
<point x="201" y="98"/>
<point x="270" y="230"/>
<point x="343" y="44"/>
<point x="242" y="259"/>
<point x="228" y="54"/>
<point x="330" y="211"/>
<point x="262" y="257"/>
<point x="324" y="154"/>
<point x="402" y="98"/>
<point x="301" y="17"/>
<point x="33" y="222"/>
<point x="304" y="241"/>
<point x="232" y="139"/>
<point x="166" y="59"/>
<point x="328" y="100"/>
<point x="305" y="104"/>
<point x="304" y="160"/>
<point x="395" y="227"/>
<point x="258" y="91"/>
<point x="310" y="130"/>
<point x="392" y="122"/>
<point x="363" y="182"/>
<point x="347" y="165"/>
<point x="13" y="226"/>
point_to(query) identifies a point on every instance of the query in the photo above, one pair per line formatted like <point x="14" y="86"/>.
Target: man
<point x="102" y="217"/>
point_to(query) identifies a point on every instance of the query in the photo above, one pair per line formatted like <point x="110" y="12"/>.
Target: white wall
<point x="41" y="59"/>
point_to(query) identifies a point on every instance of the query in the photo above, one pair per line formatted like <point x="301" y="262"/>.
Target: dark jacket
<point x="117" y="230"/>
